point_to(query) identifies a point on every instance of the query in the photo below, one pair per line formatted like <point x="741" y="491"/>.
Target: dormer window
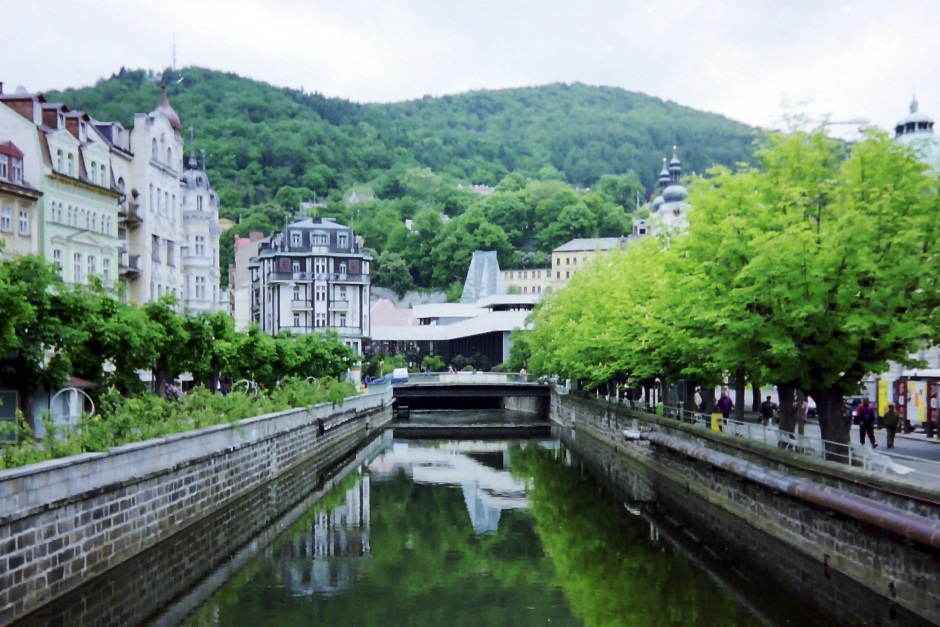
<point x="94" y="172"/>
<point x="104" y="176"/>
<point x="71" y="161"/>
<point x="3" y="167"/>
<point x="295" y="239"/>
<point x="342" y="241"/>
<point x="169" y="156"/>
<point x="17" y="170"/>
<point x="60" y="161"/>
<point x="319" y="239"/>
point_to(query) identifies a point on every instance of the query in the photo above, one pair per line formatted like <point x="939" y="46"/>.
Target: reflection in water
<point x="428" y="534"/>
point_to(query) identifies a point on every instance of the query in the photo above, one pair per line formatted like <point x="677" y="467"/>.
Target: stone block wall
<point x="68" y="520"/>
<point x="898" y="576"/>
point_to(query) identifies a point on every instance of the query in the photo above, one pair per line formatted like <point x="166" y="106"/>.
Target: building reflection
<point x="328" y="558"/>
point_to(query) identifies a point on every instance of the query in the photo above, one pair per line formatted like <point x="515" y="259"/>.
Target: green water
<point x="473" y="533"/>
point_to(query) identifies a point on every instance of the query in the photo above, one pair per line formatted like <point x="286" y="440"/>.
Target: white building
<point x="202" y="231"/>
<point x="239" y="278"/>
<point x="312" y="276"/>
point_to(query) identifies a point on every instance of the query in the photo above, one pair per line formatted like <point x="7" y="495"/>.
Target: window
<point x="57" y="259"/>
<point x="94" y="172"/>
<point x="92" y="265"/>
<point x="321" y="320"/>
<point x="557" y="261"/>
<point x="342" y="267"/>
<point x="200" y="288"/>
<point x="104" y="176"/>
<point x="150" y="204"/>
<point x="3" y="168"/>
<point x="106" y="270"/>
<point x="341" y="293"/>
<point x="169" y="156"/>
<point x="558" y="275"/>
<point x="296" y="292"/>
<point x="77" y="268"/>
<point x="153" y="149"/>
<point x="510" y="275"/>
<point x="94" y="221"/>
<point x="6" y="220"/>
<point x="296" y="320"/>
<point x="575" y="261"/>
<point x="342" y="241"/>
<point x="341" y="320"/>
<point x="200" y="245"/>
<point x="155" y="248"/>
<point x="170" y="259"/>
<point x="24" y="223"/>
<point x="60" y="161"/>
<point x="198" y="203"/>
<point x="295" y="239"/>
<point x="319" y="265"/>
<point x="567" y="261"/>
<point x="295" y="267"/>
<point x="321" y="293"/>
<point x="17" y="170"/>
<point x="87" y="219"/>
<point x="71" y="160"/>
<point x="319" y="239"/>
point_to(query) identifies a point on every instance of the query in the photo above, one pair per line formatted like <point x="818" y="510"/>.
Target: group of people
<point x="865" y="416"/>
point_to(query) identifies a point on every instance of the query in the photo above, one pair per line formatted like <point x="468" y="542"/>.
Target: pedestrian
<point x="697" y="399"/>
<point x="724" y="404"/>
<point x="767" y="410"/>
<point x="891" y="420"/>
<point x="866" y="423"/>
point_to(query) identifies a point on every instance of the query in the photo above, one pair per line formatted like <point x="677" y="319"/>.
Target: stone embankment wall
<point x="765" y="524"/>
<point x="527" y="404"/>
<point x="68" y="520"/>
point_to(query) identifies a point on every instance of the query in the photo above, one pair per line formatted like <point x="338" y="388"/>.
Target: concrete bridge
<point x="472" y="390"/>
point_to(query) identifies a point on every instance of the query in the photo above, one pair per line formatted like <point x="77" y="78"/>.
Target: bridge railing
<point x="472" y="377"/>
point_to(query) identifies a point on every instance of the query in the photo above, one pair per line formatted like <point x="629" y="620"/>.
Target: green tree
<point x="169" y="341"/>
<point x="391" y="271"/>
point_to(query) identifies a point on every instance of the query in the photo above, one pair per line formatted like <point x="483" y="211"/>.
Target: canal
<point x="438" y="532"/>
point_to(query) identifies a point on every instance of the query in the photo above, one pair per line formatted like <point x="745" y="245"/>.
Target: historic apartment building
<point x="63" y="156"/>
<point x="19" y="205"/>
<point x="312" y="276"/>
<point x="99" y="199"/>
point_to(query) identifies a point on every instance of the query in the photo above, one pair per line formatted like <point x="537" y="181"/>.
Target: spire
<point x="664" y="175"/>
<point x="914" y="104"/>
<point x="193" y="164"/>
<point x="675" y="166"/>
<point x="163" y="106"/>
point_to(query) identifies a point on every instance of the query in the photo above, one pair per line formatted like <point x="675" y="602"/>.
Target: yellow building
<point x="578" y="253"/>
<point x="19" y="205"/>
<point x="527" y="280"/>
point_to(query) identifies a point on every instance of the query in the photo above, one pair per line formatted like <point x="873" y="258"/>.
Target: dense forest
<point x="568" y="161"/>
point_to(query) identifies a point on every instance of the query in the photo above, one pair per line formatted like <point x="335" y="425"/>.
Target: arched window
<point x="104" y="175"/>
<point x="94" y="222"/>
<point x="169" y="157"/>
<point x="94" y="172"/>
<point x="87" y="219"/>
<point x="71" y="160"/>
<point x="153" y="149"/>
<point x="120" y="183"/>
<point x="60" y="161"/>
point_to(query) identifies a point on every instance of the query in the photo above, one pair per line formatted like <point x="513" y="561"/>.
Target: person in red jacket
<point x="866" y="423"/>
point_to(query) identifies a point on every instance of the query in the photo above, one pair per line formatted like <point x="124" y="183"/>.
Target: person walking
<point x="891" y="419"/>
<point x="767" y="410"/>
<point x="697" y="400"/>
<point x="724" y="404"/>
<point x="866" y="423"/>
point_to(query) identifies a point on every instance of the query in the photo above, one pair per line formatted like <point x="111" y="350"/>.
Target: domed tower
<point x="916" y="130"/>
<point x="201" y="232"/>
<point x="164" y="108"/>
<point x="672" y="211"/>
<point x="663" y="184"/>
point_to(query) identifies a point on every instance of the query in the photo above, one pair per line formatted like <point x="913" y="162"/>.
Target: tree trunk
<point x="159" y="380"/>
<point x="831" y="423"/>
<point x="787" y="408"/>
<point x="755" y="396"/>
<point x="26" y="406"/>
<point x="689" y="404"/>
<point x="740" y="385"/>
<point x="708" y="395"/>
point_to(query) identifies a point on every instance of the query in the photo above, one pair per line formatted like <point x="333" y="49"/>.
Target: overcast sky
<point x="751" y="60"/>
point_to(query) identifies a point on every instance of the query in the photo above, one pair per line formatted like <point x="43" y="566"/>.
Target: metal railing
<point x="473" y="377"/>
<point x="913" y="469"/>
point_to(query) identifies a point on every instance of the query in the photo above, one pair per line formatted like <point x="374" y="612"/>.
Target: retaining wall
<point x="903" y="574"/>
<point x="67" y="520"/>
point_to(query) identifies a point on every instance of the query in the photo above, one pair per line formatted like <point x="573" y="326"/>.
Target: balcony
<point x="344" y="331"/>
<point x="129" y="215"/>
<point x="129" y="266"/>
<point x="339" y="305"/>
<point x="317" y="276"/>
<point x="301" y="305"/>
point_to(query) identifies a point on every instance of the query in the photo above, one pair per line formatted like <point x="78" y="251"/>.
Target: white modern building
<point x="311" y="277"/>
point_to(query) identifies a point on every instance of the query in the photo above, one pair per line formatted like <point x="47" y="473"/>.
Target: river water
<point x="438" y="533"/>
<point x="476" y="533"/>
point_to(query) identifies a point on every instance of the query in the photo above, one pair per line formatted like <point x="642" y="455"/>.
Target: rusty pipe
<point x="918" y="528"/>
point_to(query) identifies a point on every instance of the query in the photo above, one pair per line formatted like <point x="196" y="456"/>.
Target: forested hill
<point x="259" y="138"/>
